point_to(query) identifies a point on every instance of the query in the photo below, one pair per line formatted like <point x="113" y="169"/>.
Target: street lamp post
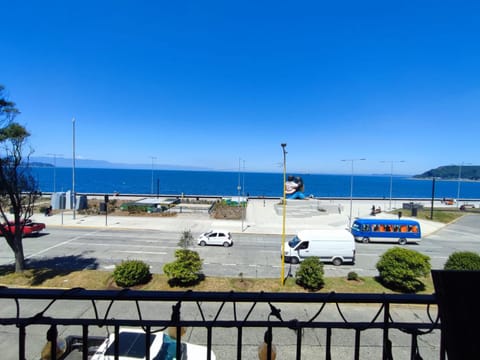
<point x="153" y="158"/>
<point x="460" y="179"/>
<point x="351" y="189"/>
<point x="282" y="275"/>
<point x="244" y="206"/>
<point x="73" y="168"/>
<point x="54" y="170"/>
<point x="391" y="178"/>
<point x="239" y="187"/>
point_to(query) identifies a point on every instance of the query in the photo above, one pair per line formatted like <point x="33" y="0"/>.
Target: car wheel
<point x="402" y="241"/>
<point x="202" y="243"/>
<point x="226" y="244"/>
<point x="365" y="240"/>
<point x="337" y="261"/>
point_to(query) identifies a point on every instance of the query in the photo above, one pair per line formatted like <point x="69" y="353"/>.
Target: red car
<point x="30" y="227"/>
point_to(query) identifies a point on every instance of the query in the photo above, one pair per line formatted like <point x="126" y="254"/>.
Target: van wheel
<point x="294" y="260"/>
<point x="402" y="241"/>
<point x="337" y="261"/>
<point x="365" y="240"/>
<point x="202" y="243"/>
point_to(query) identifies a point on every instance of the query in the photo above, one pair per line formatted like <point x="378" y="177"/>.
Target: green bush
<point x="131" y="272"/>
<point x="185" y="270"/>
<point x="400" y="268"/>
<point x="463" y="260"/>
<point x="310" y="274"/>
<point x="352" y="275"/>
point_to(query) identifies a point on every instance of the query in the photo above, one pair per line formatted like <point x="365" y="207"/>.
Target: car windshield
<point x="294" y="242"/>
<point x="355" y="226"/>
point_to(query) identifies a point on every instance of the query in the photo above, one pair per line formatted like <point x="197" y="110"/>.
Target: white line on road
<point x="60" y="244"/>
<point x="142" y="252"/>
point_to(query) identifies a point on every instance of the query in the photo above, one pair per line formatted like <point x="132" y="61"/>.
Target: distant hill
<point x="44" y="161"/>
<point x="452" y="172"/>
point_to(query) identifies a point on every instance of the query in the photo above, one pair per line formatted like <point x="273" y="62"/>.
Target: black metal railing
<point x="232" y="324"/>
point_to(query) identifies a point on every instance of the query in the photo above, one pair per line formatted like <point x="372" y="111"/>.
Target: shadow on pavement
<point x="41" y="270"/>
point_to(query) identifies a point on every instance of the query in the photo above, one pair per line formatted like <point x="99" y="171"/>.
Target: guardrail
<point x="300" y="324"/>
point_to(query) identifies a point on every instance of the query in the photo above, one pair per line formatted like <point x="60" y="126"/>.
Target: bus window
<point x="403" y="228"/>
<point x="365" y="227"/>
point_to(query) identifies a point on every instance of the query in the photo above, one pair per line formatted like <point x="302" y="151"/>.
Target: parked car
<point x="215" y="237"/>
<point x="30" y="227"/>
<point x="131" y="345"/>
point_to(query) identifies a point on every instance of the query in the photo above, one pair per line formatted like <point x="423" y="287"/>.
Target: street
<point x="252" y="255"/>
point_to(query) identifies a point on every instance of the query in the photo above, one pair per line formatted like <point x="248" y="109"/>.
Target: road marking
<point x="142" y="252"/>
<point x="125" y="245"/>
<point x="60" y="244"/>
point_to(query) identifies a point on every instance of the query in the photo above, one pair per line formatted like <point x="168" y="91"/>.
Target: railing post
<point x="21" y="342"/>
<point x="85" y="342"/>
<point x="387" y="348"/>
<point x="239" y="342"/>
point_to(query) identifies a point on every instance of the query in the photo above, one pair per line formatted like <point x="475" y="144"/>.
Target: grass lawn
<point x="99" y="280"/>
<point x="442" y="215"/>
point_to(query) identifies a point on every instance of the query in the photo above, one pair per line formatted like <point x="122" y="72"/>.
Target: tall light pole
<point x="282" y="275"/>
<point x="153" y="158"/>
<point x="73" y="168"/>
<point x="460" y="179"/>
<point x="239" y="187"/>
<point x="351" y="189"/>
<point x="54" y="169"/>
<point x="244" y="206"/>
<point x="391" y="177"/>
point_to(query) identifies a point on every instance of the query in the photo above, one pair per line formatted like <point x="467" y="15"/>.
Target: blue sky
<point x="206" y="83"/>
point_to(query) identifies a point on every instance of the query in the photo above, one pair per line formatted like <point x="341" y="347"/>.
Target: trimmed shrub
<point x="399" y="269"/>
<point x="131" y="272"/>
<point x="353" y="276"/>
<point x="185" y="270"/>
<point x="463" y="260"/>
<point x="310" y="274"/>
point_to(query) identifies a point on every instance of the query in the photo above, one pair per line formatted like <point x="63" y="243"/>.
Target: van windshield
<point x="294" y="242"/>
<point x="356" y="226"/>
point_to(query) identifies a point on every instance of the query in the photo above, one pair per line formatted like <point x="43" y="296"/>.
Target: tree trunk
<point x="19" y="257"/>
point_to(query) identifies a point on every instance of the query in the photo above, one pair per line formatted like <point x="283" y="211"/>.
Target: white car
<point x="214" y="237"/>
<point x="162" y="346"/>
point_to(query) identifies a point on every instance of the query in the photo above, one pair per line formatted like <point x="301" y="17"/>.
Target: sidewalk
<point x="262" y="217"/>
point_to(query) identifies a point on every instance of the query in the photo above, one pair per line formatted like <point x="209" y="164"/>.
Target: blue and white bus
<point x="366" y="230"/>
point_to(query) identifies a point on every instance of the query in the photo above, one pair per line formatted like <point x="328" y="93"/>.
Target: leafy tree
<point x="186" y="239"/>
<point x="17" y="186"/>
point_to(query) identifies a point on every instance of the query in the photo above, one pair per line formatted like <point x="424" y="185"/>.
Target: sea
<point x="257" y="184"/>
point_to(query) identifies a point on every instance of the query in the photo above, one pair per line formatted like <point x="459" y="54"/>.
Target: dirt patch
<point x="224" y="211"/>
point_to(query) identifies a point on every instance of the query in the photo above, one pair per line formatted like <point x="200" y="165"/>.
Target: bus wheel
<point x="365" y="240"/>
<point x="337" y="261"/>
<point x="402" y="241"/>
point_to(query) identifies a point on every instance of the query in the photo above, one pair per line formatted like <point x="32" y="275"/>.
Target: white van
<point x="330" y="245"/>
